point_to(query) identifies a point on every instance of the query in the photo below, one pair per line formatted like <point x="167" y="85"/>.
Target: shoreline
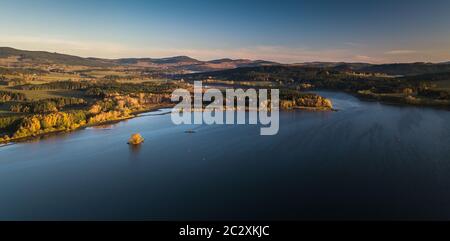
<point x="170" y="105"/>
<point x="315" y="109"/>
<point x="383" y="101"/>
<point x="133" y="115"/>
<point x="398" y="103"/>
<point x="56" y="132"/>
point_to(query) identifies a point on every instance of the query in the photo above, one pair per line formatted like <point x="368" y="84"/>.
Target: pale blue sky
<point x="285" y="31"/>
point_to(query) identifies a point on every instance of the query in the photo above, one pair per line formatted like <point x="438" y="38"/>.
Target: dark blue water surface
<point x="366" y="161"/>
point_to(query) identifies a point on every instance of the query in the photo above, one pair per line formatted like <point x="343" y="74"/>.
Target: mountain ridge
<point x="182" y="62"/>
<point x="15" y="57"/>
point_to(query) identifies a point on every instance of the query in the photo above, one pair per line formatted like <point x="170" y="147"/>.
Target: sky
<point x="375" y="31"/>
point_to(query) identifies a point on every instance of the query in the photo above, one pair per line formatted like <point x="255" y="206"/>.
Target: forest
<point x="100" y="103"/>
<point x="423" y="89"/>
<point x="43" y="92"/>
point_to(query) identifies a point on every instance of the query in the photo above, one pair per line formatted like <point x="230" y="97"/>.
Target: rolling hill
<point x="18" y="58"/>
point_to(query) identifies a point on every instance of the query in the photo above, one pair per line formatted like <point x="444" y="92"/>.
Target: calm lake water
<point x="366" y="161"/>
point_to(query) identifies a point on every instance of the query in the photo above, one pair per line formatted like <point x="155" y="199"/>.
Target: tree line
<point x="47" y="105"/>
<point x="11" y="96"/>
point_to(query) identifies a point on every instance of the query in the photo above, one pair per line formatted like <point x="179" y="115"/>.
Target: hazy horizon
<point x="287" y="32"/>
<point x="206" y="60"/>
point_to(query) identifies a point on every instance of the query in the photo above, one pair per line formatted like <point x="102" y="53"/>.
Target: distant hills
<point x="15" y="57"/>
<point x="397" y="69"/>
<point x="389" y="69"/>
<point x="190" y="64"/>
<point x="11" y="55"/>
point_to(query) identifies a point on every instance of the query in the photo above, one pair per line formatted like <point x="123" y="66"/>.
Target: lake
<point x="367" y="161"/>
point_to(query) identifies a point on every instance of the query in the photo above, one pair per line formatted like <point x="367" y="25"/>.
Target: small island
<point x="294" y="99"/>
<point x="136" y="139"/>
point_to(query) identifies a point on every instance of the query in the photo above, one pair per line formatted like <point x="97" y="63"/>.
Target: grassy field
<point x="58" y="77"/>
<point x="46" y="94"/>
<point x="103" y="73"/>
<point x="5" y="113"/>
<point x="443" y="85"/>
<point x="138" y="81"/>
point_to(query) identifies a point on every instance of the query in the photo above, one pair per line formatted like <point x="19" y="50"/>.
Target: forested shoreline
<point x="41" y="98"/>
<point x="100" y="105"/>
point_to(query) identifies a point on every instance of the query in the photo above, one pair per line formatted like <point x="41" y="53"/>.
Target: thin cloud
<point x="400" y="51"/>
<point x="280" y="54"/>
<point x="114" y="50"/>
<point x="355" y="44"/>
<point x="82" y="48"/>
<point x="364" y="58"/>
<point x="273" y="53"/>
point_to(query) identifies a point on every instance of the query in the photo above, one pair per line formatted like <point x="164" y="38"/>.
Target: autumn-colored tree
<point x="30" y="125"/>
<point x="408" y="91"/>
<point x="135" y="139"/>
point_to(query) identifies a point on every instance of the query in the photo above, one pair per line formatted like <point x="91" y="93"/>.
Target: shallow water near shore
<point x="366" y="161"/>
